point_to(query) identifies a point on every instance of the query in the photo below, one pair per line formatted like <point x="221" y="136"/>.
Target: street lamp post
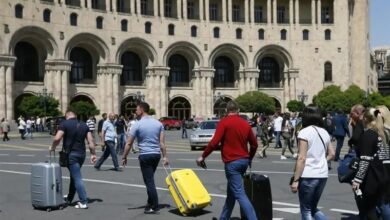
<point x="44" y="95"/>
<point x="302" y="97"/>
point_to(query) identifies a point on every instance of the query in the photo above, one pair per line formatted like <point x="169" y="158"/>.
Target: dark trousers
<point x="339" y="145"/>
<point x="110" y="149"/>
<point x="5" y="136"/>
<point x="184" y="133"/>
<point x="148" y="164"/>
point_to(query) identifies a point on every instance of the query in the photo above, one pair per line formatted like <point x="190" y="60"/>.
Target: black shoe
<point x="118" y="169"/>
<point x="151" y="211"/>
<point x="97" y="168"/>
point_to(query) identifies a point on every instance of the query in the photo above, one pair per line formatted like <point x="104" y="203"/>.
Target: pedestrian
<point x="341" y="130"/>
<point x="184" y="128"/>
<point x="277" y="125"/>
<point x="74" y="133"/>
<point x="234" y="134"/>
<point x="91" y="125"/>
<point x="149" y="133"/>
<point x="28" y="128"/>
<point x="100" y="126"/>
<point x="22" y="127"/>
<point x="293" y="122"/>
<point x="132" y="121"/>
<point x="262" y="132"/>
<point x="38" y="123"/>
<point x="5" y="128"/>
<point x="311" y="168"/>
<point x="109" y="136"/>
<point x="369" y="177"/>
<point x="286" y="134"/>
<point x="120" y="127"/>
<point x="329" y="125"/>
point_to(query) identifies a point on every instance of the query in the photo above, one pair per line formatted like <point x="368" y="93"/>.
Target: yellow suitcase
<point x="187" y="191"/>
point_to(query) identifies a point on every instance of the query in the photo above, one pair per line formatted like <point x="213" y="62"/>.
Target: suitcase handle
<point x="51" y="158"/>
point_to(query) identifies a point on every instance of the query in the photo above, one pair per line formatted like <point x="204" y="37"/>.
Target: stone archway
<point x="278" y="106"/>
<point x="220" y="106"/>
<point x="180" y="108"/>
<point x="128" y="106"/>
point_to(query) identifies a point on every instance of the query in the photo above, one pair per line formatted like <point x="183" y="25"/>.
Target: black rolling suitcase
<point x="258" y="189"/>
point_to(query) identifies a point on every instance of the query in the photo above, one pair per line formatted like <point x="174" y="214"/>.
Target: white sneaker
<point x="282" y="157"/>
<point x="295" y="156"/>
<point x="81" y="206"/>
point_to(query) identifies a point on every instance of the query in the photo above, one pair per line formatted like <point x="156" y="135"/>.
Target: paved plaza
<point x="122" y="195"/>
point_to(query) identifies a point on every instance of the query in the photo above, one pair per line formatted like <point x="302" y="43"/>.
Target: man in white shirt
<point x="28" y="128"/>
<point x="278" y="129"/>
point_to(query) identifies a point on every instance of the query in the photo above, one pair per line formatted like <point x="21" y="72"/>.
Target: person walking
<point x="108" y="135"/>
<point x="22" y="127"/>
<point x="311" y="168"/>
<point x="184" y="128"/>
<point x="262" y="132"/>
<point x="341" y="130"/>
<point x="91" y="125"/>
<point x="287" y="134"/>
<point x="74" y="133"/>
<point x="234" y="133"/>
<point x="5" y="128"/>
<point x="151" y="143"/>
<point x="28" y="132"/>
<point x="120" y="127"/>
<point x="100" y="126"/>
<point x="277" y="125"/>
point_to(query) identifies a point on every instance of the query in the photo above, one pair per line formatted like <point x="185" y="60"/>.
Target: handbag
<point x="348" y="167"/>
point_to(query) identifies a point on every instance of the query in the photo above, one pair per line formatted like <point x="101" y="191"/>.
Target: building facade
<point x="184" y="57"/>
<point x="382" y="66"/>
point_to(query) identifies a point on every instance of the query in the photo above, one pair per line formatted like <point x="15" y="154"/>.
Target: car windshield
<point x="208" y="125"/>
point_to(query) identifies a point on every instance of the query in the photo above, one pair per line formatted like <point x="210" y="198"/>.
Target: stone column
<point x="246" y="9"/>
<point x="138" y="7"/>
<point x="155" y="8"/>
<point x="224" y="11"/>
<point x="132" y="7"/>
<point x="207" y="10"/>
<point x="185" y="9"/>
<point x="157" y="89"/>
<point x="150" y="96"/>
<point x="201" y="10"/>
<point x="2" y="91"/>
<point x="241" y="82"/>
<point x="286" y="88"/>
<point x="206" y="94"/>
<point x="164" y="73"/>
<point x="89" y="4"/>
<point x="110" y="86"/>
<point x="178" y="9"/>
<point x="274" y="10"/>
<point x="294" y="73"/>
<point x="108" y="8"/>
<point x="291" y="12"/>
<point x="7" y="64"/>
<point x="313" y="12"/>
<point x="252" y="11"/>
<point x="230" y="10"/>
<point x="252" y="76"/>
<point x="269" y="11"/>
<point x="297" y="12"/>
<point x="114" y="3"/>
<point x="318" y="11"/>
<point x="162" y="10"/>
<point x="196" y="95"/>
<point x="82" y="4"/>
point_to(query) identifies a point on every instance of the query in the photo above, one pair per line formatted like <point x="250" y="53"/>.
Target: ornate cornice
<point x="158" y="71"/>
<point x="251" y="73"/>
<point x="7" y="60"/>
<point x="109" y="68"/>
<point x="58" y="65"/>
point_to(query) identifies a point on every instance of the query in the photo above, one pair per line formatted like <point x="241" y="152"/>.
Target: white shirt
<point x="22" y="124"/>
<point x="278" y="123"/>
<point x="29" y="123"/>
<point x="316" y="165"/>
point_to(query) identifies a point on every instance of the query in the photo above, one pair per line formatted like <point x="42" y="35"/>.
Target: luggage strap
<point x="175" y="186"/>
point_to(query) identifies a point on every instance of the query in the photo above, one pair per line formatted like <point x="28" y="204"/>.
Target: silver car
<point x="202" y="135"/>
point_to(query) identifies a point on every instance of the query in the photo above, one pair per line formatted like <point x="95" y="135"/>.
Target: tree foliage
<point x="152" y="111"/>
<point x="295" y="106"/>
<point x="84" y="109"/>
<point x="255" y="101"/>
<point x="32" y="106"/>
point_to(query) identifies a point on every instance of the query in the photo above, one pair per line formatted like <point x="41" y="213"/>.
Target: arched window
<point x="19" y="11"/>
<point x="239" y="33"/>
<point x="73" y="19"/>
<point x="261" y="34"/>
<point x="179" y="72"/>
<point x="46" y="15"/>
<point x="194" y="31"/>
<point x="81" y="65"/>
<point x="27" y="62"/>
<point x="224" y="72"/>
<point x="132" y="69"/>
<point x="124" y="25"/>
<point x="99" y="22"/>
<point x="171" y="29"/>
<point x="305" y="34"/>
<point x="328" y="34"/>
<point x="283" y="34"/>
<point x="216" y="32"/>
<point x="148" y="27"/>
<point x="269" y="72"/>
<point x="328" y="71"/>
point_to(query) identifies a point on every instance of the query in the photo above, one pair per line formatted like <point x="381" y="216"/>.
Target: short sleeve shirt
<point x="316" y="165"/>
<point x="109" y="128"/>
<point x="75" y="133"/>
<point x="147" y="131"/>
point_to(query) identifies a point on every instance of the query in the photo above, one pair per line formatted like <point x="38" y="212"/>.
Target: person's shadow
<point x="160" y="206"/>
<point x="348" y="216"/>
<point x="193" y="214"/>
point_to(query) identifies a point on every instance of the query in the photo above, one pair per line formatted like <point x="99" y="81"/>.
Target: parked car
<point x="250" y="122"/>
<point x="202" y="135"/>
<point x="170" y="122"/>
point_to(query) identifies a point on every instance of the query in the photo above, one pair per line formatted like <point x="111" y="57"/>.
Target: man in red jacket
<point x="234" y="133"/>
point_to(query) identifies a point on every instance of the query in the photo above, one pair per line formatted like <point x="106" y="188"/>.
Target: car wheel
<point x="193" y="148"/>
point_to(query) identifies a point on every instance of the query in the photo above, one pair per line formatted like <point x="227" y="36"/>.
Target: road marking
<point x="289" y="210"/>
<point x="4" y="154"/>
<point x="285" y="204"/>
<point x="17" y="147"/>
<point x="281" y="162"/>
<point x="26" y="155"/>
<point x="345" y="211"/>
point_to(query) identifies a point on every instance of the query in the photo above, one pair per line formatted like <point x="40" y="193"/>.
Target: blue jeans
<point x="121" y="143"/>
<point x="384" y="209"/>
<point x="339" y="145"/>
<point x="310" y="191"/>
<point x="277" y="139"/>
<point x="76" y="161"/>
<point x="110" y="149"/>
<point x="235" y="190"/>
<point x="148" y="164"/>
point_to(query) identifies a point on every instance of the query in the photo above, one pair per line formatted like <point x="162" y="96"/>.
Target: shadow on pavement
<point x="194" y="214"/>
<point x="160" y="206"/>
<point x="347" y="216"/>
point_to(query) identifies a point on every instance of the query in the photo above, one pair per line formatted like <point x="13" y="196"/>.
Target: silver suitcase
<point x="46" y="186"/>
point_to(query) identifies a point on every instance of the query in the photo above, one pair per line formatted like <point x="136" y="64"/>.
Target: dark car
<point x="170" y="122"/>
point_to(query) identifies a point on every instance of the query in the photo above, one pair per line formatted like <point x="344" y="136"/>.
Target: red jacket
<point x="233" y="133"/>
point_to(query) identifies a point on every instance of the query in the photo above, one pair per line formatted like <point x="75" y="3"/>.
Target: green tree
<point x="295" y="106"/>
<point x="84" y="109"/>
<point x="255" y="101"/>
<point x="31" y="106"/>
<point x="152" y="111"/>
<point x="375" y="99"/>
<point x="352" y="96"/>
<point x="330" y="98"/>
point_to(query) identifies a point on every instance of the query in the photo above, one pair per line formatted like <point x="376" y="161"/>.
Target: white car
<point x="202" y="135"/>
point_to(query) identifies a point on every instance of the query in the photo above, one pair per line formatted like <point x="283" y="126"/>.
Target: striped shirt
<point x="91" y="124"/>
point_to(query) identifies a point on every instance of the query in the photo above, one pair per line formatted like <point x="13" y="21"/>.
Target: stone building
<point x="184" y="57"/>
<point x="382" y="65"/>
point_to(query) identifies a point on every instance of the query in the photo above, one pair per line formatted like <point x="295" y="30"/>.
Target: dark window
<point x="99" y="23"/>
<point x="132" y="69"/>
<point x="216" y="32"/>
<point x="236" y="13"/>
<point x="124" y="25"/>
<point x="168" y="8"/>
<point x="213" y="10"/>
<point x="73" y="2"/>
<point x="328" y="34"/>
<point x="261" y="34"/>
<point x="190" y="10"/>
<point x="120" y="6"/>
<point x="224" y="72"/>
<point x="19" y="11"/>
<point x="27" y="62"/>
<point x="144" y="7"/>
<point x="239" y="33"/>
<point x="179" y="72"/>
<point x="73" y="19"/>
<point x="81" y="65"/>
<point x="171" y="29"/>
<point x="281" y="15"/>
<point x="326" y="16"/>
<point x="328" y="71"/>
<point x="148" y="27"/>
<point x="46" y="15"/>
<point x="258" y="14"/>
<point x="194" y="31"/>
<point x="305" y="34"/>
<point x="283" y="34"/>
<point x="99" y="4"/>
<point x="269" y="73"/>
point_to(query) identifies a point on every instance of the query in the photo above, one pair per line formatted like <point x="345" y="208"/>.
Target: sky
<point x="380" y="23"/>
